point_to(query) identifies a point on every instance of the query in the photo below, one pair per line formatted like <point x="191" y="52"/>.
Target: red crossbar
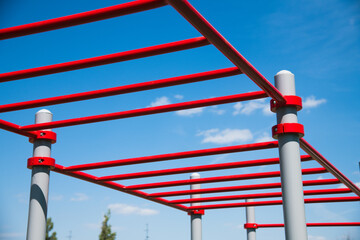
<point x="273" y="202"/>
<point x="106" y="59"/>
<point x="259" y="195"/>
<point x="333" y="224"/>
<point x="11" y="127"/>
<point x="220" y="178"/>
<point x="241" y="188"/>
<point x="197" y="77"/>
<point x="81" y="18"/>
<point x="147" y="111"/>
<point x="326" y="164"/>
<point x="207" y="30"/>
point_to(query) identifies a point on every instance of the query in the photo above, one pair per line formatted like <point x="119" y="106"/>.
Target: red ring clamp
<point x="46" y="135"/>
<point x="250" y="225"/>
<point x="291" y="101"/>
<point x="200" y="211"/>
<point x="283" y="128"/>
<point x="41" y="161"/>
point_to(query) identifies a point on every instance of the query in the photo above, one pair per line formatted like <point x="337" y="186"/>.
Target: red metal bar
<point x="106" y="59"/>
<point x="273" y="202"/>
<point x="116" y="186"/>
<point x="202" y="168"/>
<point x="326" y="164"/>
<point x="197" y="77"/>
<point x="220" y="179"/>
<point x="11" y="127"/>
<point x="147" y="111"/>
<point x="240" y="188"/>
<point x="338" y="224"/>
<point x="173" y="156"/>
<point x="205" y="28"/>
<point x="259" y="195"/>
<point x="80" y="18"/>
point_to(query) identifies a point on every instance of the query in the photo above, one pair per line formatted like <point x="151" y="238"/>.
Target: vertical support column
<point x="250" y="218"/>
<point x="290" y="164"/>
<point x="39" y="184"/>
<point x="196" y="228"/>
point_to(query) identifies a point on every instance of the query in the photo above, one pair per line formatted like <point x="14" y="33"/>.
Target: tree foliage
<point x="49" y="227"/>
<point x="106" y="233"/>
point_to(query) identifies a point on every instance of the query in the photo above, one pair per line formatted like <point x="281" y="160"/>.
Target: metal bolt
<point x="42" y="134"/>
<point x="41" y="160"/>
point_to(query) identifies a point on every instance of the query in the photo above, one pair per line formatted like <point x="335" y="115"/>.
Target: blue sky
<point x="319" y="41"/>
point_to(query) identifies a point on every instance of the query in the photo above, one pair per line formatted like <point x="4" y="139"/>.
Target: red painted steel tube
<point x="333" y="224"/>
<point x="106" y="59"/>
<point x="197" y="77"/>
<point x="273" y="202"/>
<point x="207" y="30"/>
<point x="326" y="164"/>
<point x="241" y="188"/>
<point x="202" y="168"/>
<point x="12" y="127"/>
<point x="147" y="111"/>
<point x="259" y="195"/>
<point x="220" y="179"/>
<point x="116" y="186"/>
<point x="173" y="156"/>
<point x="80" y="18"/>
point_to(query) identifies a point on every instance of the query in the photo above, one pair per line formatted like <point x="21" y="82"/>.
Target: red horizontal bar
<point x="259" y="195"/>
<point x="80" y="18"/>
<point x="147" y="111"/>
<point x="106" y="59"/>
<point x="197" y="77"/>
<point x="326" y="164"/>
<point x="202" y="168"/>
<point x="205" y="28"/>
<point x="240" y="188"/>
<point x="338" y="224"/>
<point x="11" y="127"/>
<point x="273" y="202"/>
<point x="116" y="186"/>
<point x="220" y="179"/>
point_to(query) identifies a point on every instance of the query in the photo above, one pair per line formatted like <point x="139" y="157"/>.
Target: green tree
<point x="49" y="227"/>
<point x="106" y="233"/>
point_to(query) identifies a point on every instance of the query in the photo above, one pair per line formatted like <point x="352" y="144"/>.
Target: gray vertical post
<point x="196" y="228"/>
<point x="290" y="164"/>
<point x="250" y="218"/>
<point x="39" y="184"/>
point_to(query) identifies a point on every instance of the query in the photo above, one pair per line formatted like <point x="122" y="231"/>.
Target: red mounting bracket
<point x="291" y="101"/>
<point x="250" y="225"/>
<point x="41" y="161"/>
<point x="46" y="135"/>
<point x="283" y="128"/>
<point x="200" y="211"/>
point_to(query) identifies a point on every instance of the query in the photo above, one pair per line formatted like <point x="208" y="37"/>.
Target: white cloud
<point x="79" y="197"/>
<point x="125" y="209"/>
<point x="58" y="197"/>
<point x="264" y="137"/>
<point x="312" y="102"/>
<point x="190" y="112"/>
<point x="179" y="97"/>
<point x="160" y="101"/>
<point x="343" y="186"/>
<point x="217" y="111"/>
<point x="311" y="237"/>
<point x="11" y="235"/>
<point x="225" y="136"/>
<point x="250" y="107"/>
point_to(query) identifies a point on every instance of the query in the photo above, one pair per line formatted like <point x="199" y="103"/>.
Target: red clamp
<point x="293" y="101"/>
<point x="250" y="225"/>
<point x="47" y="135"/>
<point x="283" y="128"/>
<point x="200" y="211"/>
<point x="41" y="161"/>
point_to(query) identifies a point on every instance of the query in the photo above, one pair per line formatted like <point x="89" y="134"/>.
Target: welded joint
<point x="197" y="212"/>
<point x="250" y="226"/>
<point x="41" y="161"/>
<point x="284" y="128"/>
<point x="43" y="135"/>
<point x="291" y="101"/>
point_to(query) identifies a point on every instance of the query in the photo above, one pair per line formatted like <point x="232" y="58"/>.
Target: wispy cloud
<point x="225" y="136"/>
<point x="160" y="101"/>
<point x="125" y="209"/>
<point x="79" y="197"/>
<point x="11" y="235"/>
<point x="264" y="137"/>
<point x="190" y="112"/>
<point x="251" y="107"/>
<point x="343" y="186"/>
<point x="178" y="97"/>
<point x="216" y="110"/>
<point x="311" y="237"/>
<point x="312" y="102"/>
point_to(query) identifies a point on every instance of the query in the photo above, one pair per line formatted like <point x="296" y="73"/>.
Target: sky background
<point x="318" y="40"/>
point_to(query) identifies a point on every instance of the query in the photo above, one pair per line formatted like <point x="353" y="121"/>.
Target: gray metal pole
<point x="250" y="218"/>
<point x="290" y="164"/>
<point x="196" y="228"/>
<point x="39" y="185"/>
